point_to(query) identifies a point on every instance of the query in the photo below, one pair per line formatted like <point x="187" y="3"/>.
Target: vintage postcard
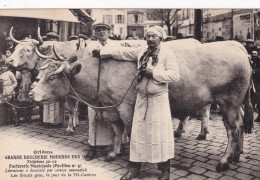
<point x="129" y="93"/>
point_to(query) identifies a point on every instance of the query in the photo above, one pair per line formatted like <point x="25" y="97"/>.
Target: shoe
<point x="91" y="154"/>
<point x="130" y="175"/>
<point x="164" y="176"/>
<point x="110" y="158"/>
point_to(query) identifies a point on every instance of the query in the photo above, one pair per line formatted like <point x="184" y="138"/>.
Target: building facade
<point x="238" y="24"/>
<point x="116" y="18"/>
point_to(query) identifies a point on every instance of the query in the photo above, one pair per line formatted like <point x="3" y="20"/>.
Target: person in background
<point x="255" y="62"/>
<point x="249" y="46"/>
<point x="73" y="37"/>
<point x="152" y="138"/>
<point x="52" y="36"/>
<point x="9" y="84"/>
<point x="9" y="44"/>
<point x="25" y="82"/>
<point x="8" y="53"/>
<point x="129" y="37"/>
<point x="2" y="57"/>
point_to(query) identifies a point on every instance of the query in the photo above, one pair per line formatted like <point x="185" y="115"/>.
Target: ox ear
<point x="72" y="59"/>
<point x="75" y="68"/>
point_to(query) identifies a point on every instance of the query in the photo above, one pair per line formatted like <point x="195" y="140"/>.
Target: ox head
<point x="26" y="53"/>
<point x="52" y="83"/>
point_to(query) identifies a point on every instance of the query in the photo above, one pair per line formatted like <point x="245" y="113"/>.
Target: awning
<point x="50" y="14"/>
<point x="83" y="13"/>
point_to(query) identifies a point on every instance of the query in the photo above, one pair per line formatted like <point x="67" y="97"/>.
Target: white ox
<point x="216" y="72"/>
<point x="29" y="54"/>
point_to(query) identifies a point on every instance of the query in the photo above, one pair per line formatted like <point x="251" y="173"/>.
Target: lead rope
<point x="96" y="107"/>
<point x="2" y="97"/>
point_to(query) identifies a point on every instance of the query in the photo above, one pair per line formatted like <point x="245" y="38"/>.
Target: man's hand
<point x="147" y="73"/>
<point x="96" y="53"/>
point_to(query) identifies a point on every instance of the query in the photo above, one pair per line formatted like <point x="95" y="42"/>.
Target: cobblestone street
<point x="193" y="159"/>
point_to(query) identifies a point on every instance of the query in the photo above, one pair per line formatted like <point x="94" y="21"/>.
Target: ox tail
<point x="248" y="119"/>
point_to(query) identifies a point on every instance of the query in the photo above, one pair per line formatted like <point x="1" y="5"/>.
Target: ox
<point x="29" y="55"/>
<point x="216" y="72"/>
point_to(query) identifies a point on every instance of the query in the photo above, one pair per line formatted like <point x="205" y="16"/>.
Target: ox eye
<point x="52" y="77"/>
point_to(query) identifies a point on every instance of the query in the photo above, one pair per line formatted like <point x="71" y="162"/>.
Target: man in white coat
<point x="100" y="132"/>
<point x="152" y="138"/>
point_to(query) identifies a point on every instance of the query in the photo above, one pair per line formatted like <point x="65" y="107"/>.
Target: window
<point x="136" y="18"/>
<point x="107" y="19"/>
<point x="120" y="19"/>
<point x="121" y="30"/>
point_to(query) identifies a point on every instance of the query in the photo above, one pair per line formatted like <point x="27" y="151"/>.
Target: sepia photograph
<point x="129" y="93"/>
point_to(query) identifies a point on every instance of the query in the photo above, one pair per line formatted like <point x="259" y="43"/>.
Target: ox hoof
<point x="110" y="158"/>
<point x="177" y="134"/>
<point x="69" y="133"/>
<point x="222" y="167"/>
<point x="201" y="137"/>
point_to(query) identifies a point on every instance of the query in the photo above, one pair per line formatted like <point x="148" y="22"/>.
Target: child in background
<point x="9" y="83"/>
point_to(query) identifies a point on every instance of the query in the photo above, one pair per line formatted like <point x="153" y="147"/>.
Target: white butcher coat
<point x="152" y="138"/>
<point x="99" y="129"/>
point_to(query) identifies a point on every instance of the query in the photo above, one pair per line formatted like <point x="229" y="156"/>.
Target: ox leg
<point x="205" y="113"/>
<point x="233" y="123"/>
<point x="118" y="130"/>
<point x="69" y="130"/>
<point x="181" y="128"/>
<point x="126" y="112"/>
<point x="75" y="114"/>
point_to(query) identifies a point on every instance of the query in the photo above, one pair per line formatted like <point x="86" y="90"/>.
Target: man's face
<point x="153" y="40"/>
<point x="51" y="38"/>
<point x="254" y="54"/>
<point x="8" y="53"/>
<point x="102" y="33"/>
<point x="250" y="44"/>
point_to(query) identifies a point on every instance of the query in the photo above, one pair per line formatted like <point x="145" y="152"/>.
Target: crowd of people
<point x="17" y="84"/>
<point x="158" y="72"/>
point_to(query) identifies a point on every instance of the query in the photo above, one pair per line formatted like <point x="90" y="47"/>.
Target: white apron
<point x="152" y="138"/>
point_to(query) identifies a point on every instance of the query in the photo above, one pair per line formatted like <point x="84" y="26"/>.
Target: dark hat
<point x="44" y="38"/>
<point x="101" y="25"/>
<point x="73" y="37"/>
<point x="53" y="34"/>
<point x="250" y="40"/>
<point x="83" y="36"/>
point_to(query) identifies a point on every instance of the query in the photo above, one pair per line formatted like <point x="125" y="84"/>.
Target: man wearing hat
<point x="100" y="132"/>
<point x="73" y="37"/>
<point x="152" y="138"/>
<point x="52" y="36"/>
<point x="249" y="46"/>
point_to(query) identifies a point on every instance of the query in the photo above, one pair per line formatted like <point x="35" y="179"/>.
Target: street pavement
<point x="195" y="160"/>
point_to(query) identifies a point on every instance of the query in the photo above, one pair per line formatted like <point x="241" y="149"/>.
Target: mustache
<point x="149" y="41"/>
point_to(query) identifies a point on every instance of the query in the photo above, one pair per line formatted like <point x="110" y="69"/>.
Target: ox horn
<point x="57" y="55"/>
<point x="39" y="35"/>
<point x="11" y="36"/>
<point x="63" y="67"/>
<point x="41" y="55"/>
<point x="78" y="44"/>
